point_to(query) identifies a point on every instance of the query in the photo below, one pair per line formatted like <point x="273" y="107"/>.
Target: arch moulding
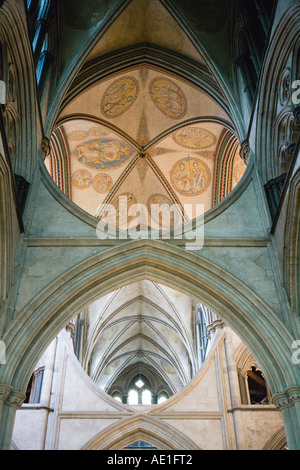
<point x="140" y="427"/>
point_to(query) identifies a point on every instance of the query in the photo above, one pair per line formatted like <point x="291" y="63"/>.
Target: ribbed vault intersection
<point x="142" y="330"/>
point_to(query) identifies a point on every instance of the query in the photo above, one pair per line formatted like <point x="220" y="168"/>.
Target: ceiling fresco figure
<point x="119" y="97"/>
<point x="81" y="179"/>
<point x="194" y="138"/>
<point x="168" y="98"/>
<point x="103" y="153"/>
<point x="190" y="176"/>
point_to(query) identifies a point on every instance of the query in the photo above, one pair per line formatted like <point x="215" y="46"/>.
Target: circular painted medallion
<point x="168" y="98"/>
<point x="81" y="179"/>
<point x="102" y="183"/>
<point x="78" y="135"/>
<point x="119" y="96"/>
<point x="99" y="131"/>
<point x="190" y="176"/>
<point x="103" y="154"/>
<point x="194" y="138"/>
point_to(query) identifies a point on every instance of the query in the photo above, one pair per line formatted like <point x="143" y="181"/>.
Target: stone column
<point x="154" y="399"/>
<point x="253" y="48"/>
<point x="235" y="395"/>
<point x="243" y="381"/>
<point x="45" y="397"/>
<point x="5" y="391"/>
<point x="289" y="405"/>
<point x="263" y="16"/>
<point x="13" y="401"/>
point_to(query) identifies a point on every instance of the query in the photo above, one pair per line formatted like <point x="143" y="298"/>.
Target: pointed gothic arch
<point x="152" y="430"/>
<point x="51" y="309"/>
<point x="277" y="441"/>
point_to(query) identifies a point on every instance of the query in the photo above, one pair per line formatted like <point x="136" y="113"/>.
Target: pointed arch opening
<point x="141" y="428"/>
<point x="46" y="314"/>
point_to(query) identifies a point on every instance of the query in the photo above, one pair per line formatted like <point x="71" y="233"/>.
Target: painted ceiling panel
<point x="147" y="134"/>
<point x="144" y="102"/>
<point x="143" y="112"/>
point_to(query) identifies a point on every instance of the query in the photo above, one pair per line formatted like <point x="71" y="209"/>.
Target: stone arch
<point x="277" y="441"/>
<point x="245" y="361"/>
<point x="140" y="55"/>
<point x="10" y="225"/>
<point x="51" y="309"/>
<point x="145" y="428"/>
<point x="134" y="371"/>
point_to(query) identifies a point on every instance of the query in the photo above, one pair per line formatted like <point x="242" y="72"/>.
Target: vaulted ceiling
<point x="96" y="29"/>
<point x="146" y="105"/>
<point x="145" y="117"/>
<point x="142" y="327"/>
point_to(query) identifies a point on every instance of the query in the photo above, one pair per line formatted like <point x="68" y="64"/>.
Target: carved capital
<point x="288" y="399"/>
<point x="214" y="326"/>
<point x="71" y="329"/>
<point x="281" y="401"/>
<point x="286" y="156"/>
<point x="5" y="391"/>
<point x="15" y="399"/>
<point x="45" y="146"/>
<point x="293" y="394"/>
<point x="245" y="151"/>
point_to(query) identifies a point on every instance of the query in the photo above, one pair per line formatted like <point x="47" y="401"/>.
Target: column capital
<point x="15" y="399"/>
<point x="287" y="398"/>
<point x="245" y="151"/>
<point x="293" y="394"/>
<point x="212" y="327"/>
<point x="281" y="401"/>
<point x="5" y="391"/>
<point x="45" y="146"/>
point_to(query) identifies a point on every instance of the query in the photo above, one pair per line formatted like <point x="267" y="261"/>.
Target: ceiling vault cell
<point x="138" y="328"/>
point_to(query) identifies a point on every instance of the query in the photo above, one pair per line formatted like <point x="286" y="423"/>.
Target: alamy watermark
<point x="2" y="353"/>
<point x="296" y="353"/>
<point x="296" y="93"/>
<point x="159" y="221"/>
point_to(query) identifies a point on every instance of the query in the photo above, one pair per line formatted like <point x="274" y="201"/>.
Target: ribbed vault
<point x="144" y="119"/>
<point x="143" y="328"/>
